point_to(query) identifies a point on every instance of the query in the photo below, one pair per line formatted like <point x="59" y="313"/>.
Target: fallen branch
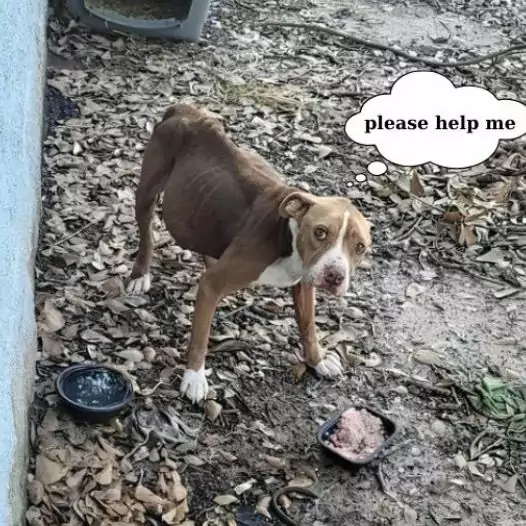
<point x="418" y="382"/>
<point x="385" y="488"/>
<point x="395" y="51"/>
<point x="76" y="232"/>
<point x="244" y="6"/>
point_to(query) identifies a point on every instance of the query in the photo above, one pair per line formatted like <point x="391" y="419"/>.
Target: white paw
<point x="330" y="366"/>
<point x="139" y="285"/>
<point x="194" y="385"/>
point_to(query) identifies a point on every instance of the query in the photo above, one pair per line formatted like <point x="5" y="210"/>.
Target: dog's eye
<point x="320" y="232"/>
<point x="360" y="248"/>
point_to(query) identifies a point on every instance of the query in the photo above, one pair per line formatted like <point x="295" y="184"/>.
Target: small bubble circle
<point x="377" y="168"/>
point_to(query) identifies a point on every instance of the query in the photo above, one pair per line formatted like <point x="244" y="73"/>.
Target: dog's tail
<point x="172" y="111"/>
<point x="189" y="115"/>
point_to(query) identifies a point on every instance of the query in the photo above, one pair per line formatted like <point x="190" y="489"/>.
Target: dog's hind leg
<point x="155" y="172"/>
<point x="209" y="261"/>
<point x="140" y="279"/>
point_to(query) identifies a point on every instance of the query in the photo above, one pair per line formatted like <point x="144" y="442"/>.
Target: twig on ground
<point x="457" y="266"/>
<point x="418" y="382"/>
<point x="408" y="232"/>
<point x="159" y="245"/>
<point x="244" y="6"/>
<point x="395" y="51"/>
<point x="290" y="489"/>
<point x="385" y="487"/>
<point x="139" y="445"/>
<point x="393" y="449"/>
<point x="149" y="392"/>
<point x="232" y="345"/>
<point x="76" y="233"/>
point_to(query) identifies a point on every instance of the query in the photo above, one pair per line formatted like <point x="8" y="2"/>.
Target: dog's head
<point x="332" y="238"/>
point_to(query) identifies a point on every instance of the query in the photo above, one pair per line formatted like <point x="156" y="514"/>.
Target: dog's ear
<point x="295" y="205"/>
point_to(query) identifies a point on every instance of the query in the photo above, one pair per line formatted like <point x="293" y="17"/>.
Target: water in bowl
<point x="95" y="388"/>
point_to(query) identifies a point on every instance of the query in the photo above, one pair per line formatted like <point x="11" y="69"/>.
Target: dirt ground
<point x="438" y="308"/>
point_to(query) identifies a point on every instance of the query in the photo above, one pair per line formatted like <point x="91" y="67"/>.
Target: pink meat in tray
<point x="358" y="434"/>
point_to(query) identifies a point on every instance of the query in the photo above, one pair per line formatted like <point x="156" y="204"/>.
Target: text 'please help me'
<point x="460" y="124"/>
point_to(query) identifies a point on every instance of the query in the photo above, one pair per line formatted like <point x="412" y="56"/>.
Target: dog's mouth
<point x="329" y="288"/>
<point x="331" y="276"/>
<point x="333" y="291"/>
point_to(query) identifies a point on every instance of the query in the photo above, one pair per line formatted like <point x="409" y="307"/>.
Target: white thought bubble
<point x="426" y="119"/>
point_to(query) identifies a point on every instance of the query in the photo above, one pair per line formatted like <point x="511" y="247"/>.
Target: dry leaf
<point x="192" y="460"/>
<point x="212" y="410"/>
<point x="146" y="496"/>
<point x="301" y="482"/>
<point x="374" y="360"/>
<point x="324" y="151"/>
<point x="416" y="186"/>
<point x="473" y="469"/>
<point x="460" y="461"/>
<point x="427" y="357"/>
<point x="285" y="502"/>
<point x="177" y="515"/>
<point x="225" y="500"/>
<point x="467" y="235"/>
<point x="510" y="485"/>
<point x="245" y="486"/>
<point x="51" y="346"/>
<point x="452" y="217"/>
<point x="227" y="457"/>
<point x="410" y="516"/>
<point x="113" y="286"/>
<point x="178" y="492"/>
<point x="132" y="355"/>
<point x="495" y="255"/>
<point x="74" y="480"/>
<point x="34" y="517"/>
<point x="263" y="506"/>
<point x="414" y="290"/>
<point x="170" y="517"/>
<point x="35" y="492"/>
<point x="346" y="334"/>
<point x="104" y="477"/>
<point x="498" y="191"/>
<point x="47" y="471"/>
<point x="275" y="461"/>
<point x="110" y="495"/>
<point x="92" y="336"/>
<point x="50" y="319"/>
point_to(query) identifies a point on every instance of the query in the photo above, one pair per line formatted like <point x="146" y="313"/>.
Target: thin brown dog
<point x="229" y="205"/>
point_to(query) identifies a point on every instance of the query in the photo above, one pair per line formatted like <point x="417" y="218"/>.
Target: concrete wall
<point x="22" y="70"/>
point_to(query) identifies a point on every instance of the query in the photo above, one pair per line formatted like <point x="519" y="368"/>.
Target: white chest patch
<point x="284" y="272"/>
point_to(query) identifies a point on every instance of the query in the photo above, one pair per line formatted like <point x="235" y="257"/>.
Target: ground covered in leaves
<point x="432" y="331"/>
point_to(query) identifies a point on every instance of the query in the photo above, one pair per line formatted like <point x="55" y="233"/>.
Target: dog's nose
<point x="334" y="277"/>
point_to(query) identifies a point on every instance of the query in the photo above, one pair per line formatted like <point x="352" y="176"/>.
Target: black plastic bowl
<point x="327" y="429"/>
<point x="95" y="393"/>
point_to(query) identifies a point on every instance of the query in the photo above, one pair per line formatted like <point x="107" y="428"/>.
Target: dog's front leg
<point x="236" y="269"/>
<point x="325" y="364"/>
<point x="194" y="384"/>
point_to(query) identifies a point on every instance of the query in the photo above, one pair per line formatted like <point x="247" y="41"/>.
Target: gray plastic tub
<point x="107" y="20"/>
